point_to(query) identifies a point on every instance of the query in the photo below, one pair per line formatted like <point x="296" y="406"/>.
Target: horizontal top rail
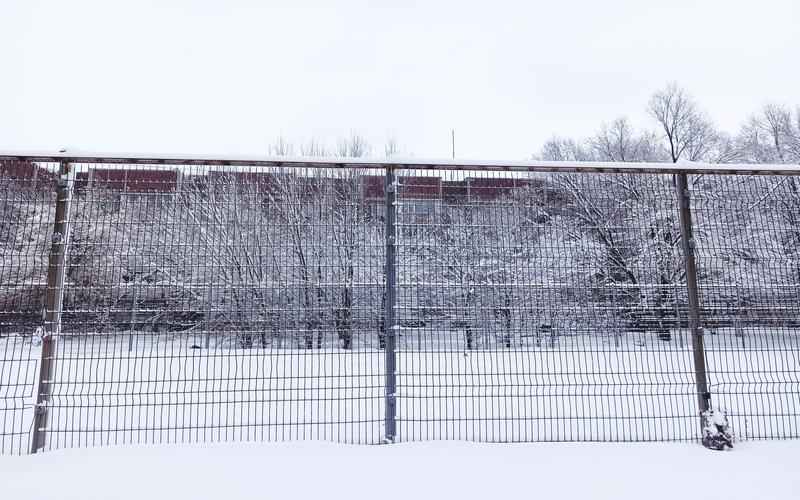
<point x="688" y="167"/>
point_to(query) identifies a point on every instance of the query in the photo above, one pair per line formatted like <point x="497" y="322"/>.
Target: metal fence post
<point x="54" y="297"/>
<point x="688" y="244"/>
<point x="390" y="323"/>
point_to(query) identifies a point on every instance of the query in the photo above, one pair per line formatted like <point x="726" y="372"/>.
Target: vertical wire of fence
<point x="234" y="301"/>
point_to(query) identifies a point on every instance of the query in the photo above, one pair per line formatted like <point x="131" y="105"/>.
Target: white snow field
<point x="435" y="470"/>
<point x="165" y="392"/>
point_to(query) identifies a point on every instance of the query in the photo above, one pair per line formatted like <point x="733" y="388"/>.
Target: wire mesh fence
<point x="748" y="230"/>
<point x="27" y="199"/>
<point x="362" y="302"/>
<point x="549" y="309"/>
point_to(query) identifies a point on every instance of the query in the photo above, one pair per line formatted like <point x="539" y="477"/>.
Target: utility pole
<point x="453" y="142"/>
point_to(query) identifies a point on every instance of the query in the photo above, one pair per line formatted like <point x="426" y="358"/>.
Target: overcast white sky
<point x="230" y="76"/>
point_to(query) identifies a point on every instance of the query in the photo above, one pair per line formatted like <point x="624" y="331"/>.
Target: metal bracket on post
<point x="54" y="298"/>
<point x="689" y="244"/>
<point x="390" y="330"/>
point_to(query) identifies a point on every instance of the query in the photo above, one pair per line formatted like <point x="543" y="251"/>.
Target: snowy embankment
<point x="765" y="469"/>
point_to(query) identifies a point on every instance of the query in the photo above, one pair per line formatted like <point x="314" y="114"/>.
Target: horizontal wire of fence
<point x="194" y="300"/>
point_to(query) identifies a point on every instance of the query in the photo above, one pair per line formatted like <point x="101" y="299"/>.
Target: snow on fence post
<point x="54" y="298"/>
<point x="688" y="246"/>
<point x="390" y="323"/>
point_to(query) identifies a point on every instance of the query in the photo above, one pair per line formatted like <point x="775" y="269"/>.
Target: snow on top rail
<point x="407" y="163"/>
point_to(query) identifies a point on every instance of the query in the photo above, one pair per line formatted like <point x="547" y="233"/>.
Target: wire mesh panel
<point x="27" y="194"/>
<point x="212" y="304"/>
<point x="542" y="307"/>
<point x="747" y="230"/>
<point x="220" y="300"/>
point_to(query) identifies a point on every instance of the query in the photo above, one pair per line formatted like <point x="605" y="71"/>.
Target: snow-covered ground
<point x="436" y="470"/>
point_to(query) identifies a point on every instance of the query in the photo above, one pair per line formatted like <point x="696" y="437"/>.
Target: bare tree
<point x="223" y="219"/>
<point x="391" y="148"/>
<point x="481" y="251"/>
<point x="688" y="132"/>
<point x="783" y="131"/>
<point x="563" y="149"/>
<point x="771" y="136"/>
<point x="25" y="233"/>
<point x="615" y="142"/>
<point x="295" y="202"/>
<point x="354" y="146"/>
<point x="454" y="248"/>
<point x="314" y="148"/>
<point x="620" y="142"/>
<point x="634" y="238"/>
<point x="281" y="147"/>
<point x="725" y="150"/>
<point x="349" y="223"/>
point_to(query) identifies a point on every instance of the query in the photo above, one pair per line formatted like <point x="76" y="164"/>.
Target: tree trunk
<point x="662" y="324"/>
<point x="344" y="319"/>
<point x="470" y="335"/>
